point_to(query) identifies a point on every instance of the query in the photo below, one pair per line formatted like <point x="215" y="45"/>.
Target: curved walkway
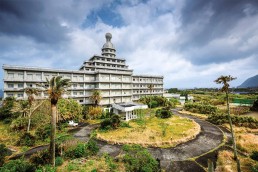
<point x="180" y="158"/>
<point x="182" y="155"/>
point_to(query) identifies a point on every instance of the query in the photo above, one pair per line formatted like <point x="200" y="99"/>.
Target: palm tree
<point x="96" y="97"/>
<point x="225" y="88"/>
<point x="56" y="87"/>
<point x="150" y="87"/>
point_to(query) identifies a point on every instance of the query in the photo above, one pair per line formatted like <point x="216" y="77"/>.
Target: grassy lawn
<point x="153" y="132"/>
<point x="100" y="164"/>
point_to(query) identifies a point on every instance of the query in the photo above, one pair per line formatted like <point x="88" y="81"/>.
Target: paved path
<point x="175" y="159"/>
<point x="208" y="139"/>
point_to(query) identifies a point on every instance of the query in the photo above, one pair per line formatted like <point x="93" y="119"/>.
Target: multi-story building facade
<point x="102" y="72"/>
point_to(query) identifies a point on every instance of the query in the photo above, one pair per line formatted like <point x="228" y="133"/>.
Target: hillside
<point x="250" y="82"/>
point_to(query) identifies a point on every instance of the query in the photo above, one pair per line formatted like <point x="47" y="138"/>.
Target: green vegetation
<point x="156" y="101"/>
<point x="254" y="155"/>
<point x="3" y="153"/>
<point x="245" y="121"/>
<point x="163" y="113"/>
<point x="138" y="159"/>
<point x="200" y="108"/>
<point x="19" y="165"/>
<point x="69" y="109"/>
<point x="110" y="123"/>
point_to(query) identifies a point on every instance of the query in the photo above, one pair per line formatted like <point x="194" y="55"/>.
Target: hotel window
<point x="29" y="76"/>
<point x="20" y="75"/>
<point x="38" y="76"/>
<point x="81" y="93"/>
<point x="74" y="85"/>
<point x="81" y="85"/>
<point x="20" y="95"/>
<point x="10" y="75"/>
<point x="9" y="95"/>
<point x="10" y="85"/>
<point x="20" y="85"/>
<point x="74" y="93"/>
<point x="81" y="101"/>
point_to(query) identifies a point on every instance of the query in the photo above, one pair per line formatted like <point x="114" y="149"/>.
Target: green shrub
<point x="77" y="151"/>
<point x="242" y="121"/>
<point x="92" y="147"/>
<point x="163" y="113"/>
<point x="59" y="161"/>
<point x="41" y="158"/>
<point x="138" y="159"/>
<point x="156" y="101"/>
<point x="18" y="165"/>
<point x="110" y="123"/>
<point x="254" y="168"/>
<point x="43" y="132"/>
<point x="3" y="153"/>
<point x="200" y="108"/>
<point x="105" y="124"/>
<point x="254" y="155"/>
<point x="46" y="168"/>
<point x="125" y="125"/>
<point x="26" y="140"/>
<point x="19" y="123"/>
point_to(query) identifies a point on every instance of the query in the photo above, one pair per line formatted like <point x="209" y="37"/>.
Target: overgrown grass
<point x="92" y="164"/>
<point x="226" y="162"/>
<point x="246" y="139"/>
<point x="202" y="116"/>
<point x="8" y="137"/>
<point x="152" y="133"/>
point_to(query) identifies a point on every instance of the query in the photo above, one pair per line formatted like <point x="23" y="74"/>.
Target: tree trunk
<point x="53" y="134"/>
<point x="233" y="135"/>
<point x="28" y="128"/>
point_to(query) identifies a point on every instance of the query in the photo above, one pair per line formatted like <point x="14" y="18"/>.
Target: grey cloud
<point x="28" y="18"/>
<point x="205" y="21"/>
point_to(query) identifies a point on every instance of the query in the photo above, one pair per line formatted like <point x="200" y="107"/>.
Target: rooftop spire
<point x="108" y="49"/>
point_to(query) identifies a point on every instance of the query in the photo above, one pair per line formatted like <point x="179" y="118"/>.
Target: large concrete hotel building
<point x="104" y="72"/>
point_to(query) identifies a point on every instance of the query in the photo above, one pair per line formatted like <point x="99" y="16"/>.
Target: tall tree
<point x="225" y="88"/>
<point x="31" y="92"/>
<point x="55" y="88"/>
<point x="150" y="87"/>
<point x="96" y="97"/>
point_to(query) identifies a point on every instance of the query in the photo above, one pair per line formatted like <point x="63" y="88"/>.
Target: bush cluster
<point x="94" y="112"/>
<point x="244" y="121"/>
<point x="26" y="139"/>
<point x="3" y="153"/>
<point x="19" y="165"/>
<point x="156" y="101"/>
<point x="41" y="158"/>
<point x="82" y="150"/>
<point x="138" y="159"/>
<point x="254" y="155"/>
<point x="163" y="113"/>
<point x="43" y="132"/>
<point x="200" y="108"/>
<point x="110" y="123"/>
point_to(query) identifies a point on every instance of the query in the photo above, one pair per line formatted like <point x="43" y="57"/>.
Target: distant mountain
<point x="250" y="82"/>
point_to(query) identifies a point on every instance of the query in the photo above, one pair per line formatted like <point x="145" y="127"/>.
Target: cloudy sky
<point x="190" y="42"/>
